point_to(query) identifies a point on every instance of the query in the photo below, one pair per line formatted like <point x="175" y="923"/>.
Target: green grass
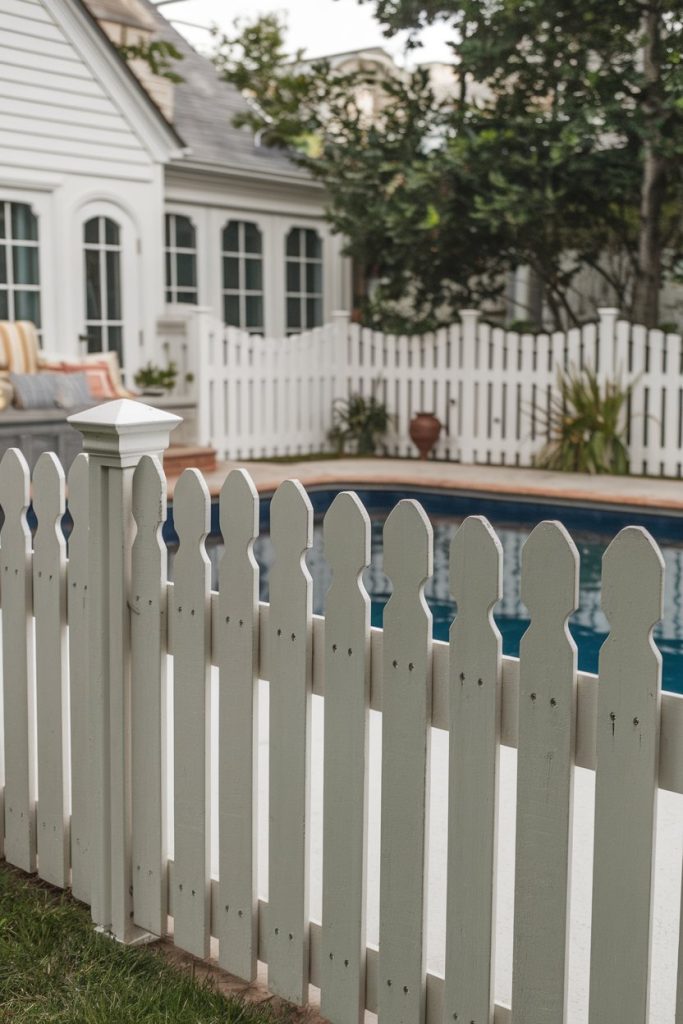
<point x="54" y="968"/>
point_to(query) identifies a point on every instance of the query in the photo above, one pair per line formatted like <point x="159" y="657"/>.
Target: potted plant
<point x="155" y="380"/>
<point x="424" y="432"/>
<point x="585" y="425"/>
<point x="359" y="420"/>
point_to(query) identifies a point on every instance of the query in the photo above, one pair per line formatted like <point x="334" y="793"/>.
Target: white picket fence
<point x="273" y="396"/>
<point x="91" y="726"/>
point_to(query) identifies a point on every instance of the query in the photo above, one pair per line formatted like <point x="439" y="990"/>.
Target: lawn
<point x="54" y="969"/>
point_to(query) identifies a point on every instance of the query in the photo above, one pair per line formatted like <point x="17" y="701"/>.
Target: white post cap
<point x="120" y="432"/>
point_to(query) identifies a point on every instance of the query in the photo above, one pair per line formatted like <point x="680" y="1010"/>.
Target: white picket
<point x="406" y="716"/>
<point x="476" y="564"/>
<point x="190" y="630"/>
<point x="679" y="985"/>
<point x="77" y="613"/>
<point x="52" y="705"/>
<point x="347" y="701"/>
<point x="18" y="664"/>
<point x="289" y="638"/>
<point x="236" y="633"/>
<point x="547" y="710"/>
<point x="626" y="780"/>
<point x="148" y="697"/>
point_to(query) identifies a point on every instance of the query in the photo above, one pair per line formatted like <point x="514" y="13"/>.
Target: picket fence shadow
<point x="85" y="798"/>
<point x="490" y="387"/>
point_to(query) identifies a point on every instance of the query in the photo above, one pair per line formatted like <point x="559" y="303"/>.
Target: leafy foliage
<point x="158" y="55"/>
<point x="586" y="425"/>
<point x="359" y="420"/>
<point x="152" y="376"/>
<point x="558" y="146"/>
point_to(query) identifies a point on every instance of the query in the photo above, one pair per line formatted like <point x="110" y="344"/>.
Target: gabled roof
<point x="157" y="135"/>
<point x="204" y="110"/>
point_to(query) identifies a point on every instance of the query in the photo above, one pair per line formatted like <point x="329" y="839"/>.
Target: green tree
<point x="559" y="148"/>
<point x="391" y="193"/>
<point x="602" y="80"/>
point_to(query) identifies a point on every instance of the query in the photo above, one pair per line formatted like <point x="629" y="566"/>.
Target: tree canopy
<point x="558" y="146"/>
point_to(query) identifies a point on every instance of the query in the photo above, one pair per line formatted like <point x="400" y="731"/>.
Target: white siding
<point x="54" y="113"/>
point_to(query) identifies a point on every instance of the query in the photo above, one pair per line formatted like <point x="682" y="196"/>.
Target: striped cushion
<point x="18" y="346"/>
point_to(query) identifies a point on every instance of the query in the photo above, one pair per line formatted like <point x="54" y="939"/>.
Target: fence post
<point x="469" y="319"/>
<point x="204" y="334"/>
<point x="340" y="320"/>
<point x="606" y="339"/>
<point x="115" y="435"/>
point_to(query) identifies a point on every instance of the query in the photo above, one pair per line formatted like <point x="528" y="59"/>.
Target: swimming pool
<point x="591" y="529"/>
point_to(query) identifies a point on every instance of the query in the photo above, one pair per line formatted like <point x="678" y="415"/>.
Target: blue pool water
<point x="591" y="529"/>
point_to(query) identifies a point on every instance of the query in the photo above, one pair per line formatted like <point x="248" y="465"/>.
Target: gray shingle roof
<point x="204" y="108"/>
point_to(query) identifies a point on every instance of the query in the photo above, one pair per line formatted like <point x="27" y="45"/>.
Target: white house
<point x="111" y="209"/>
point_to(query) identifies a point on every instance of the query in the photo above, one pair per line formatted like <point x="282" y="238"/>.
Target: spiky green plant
<point x="585" y="425"/>
<point x="358" y="420"/>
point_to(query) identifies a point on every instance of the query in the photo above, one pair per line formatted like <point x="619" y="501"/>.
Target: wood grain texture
<point x="345" y="782"/>
<point x="406" y="714"/>
<point x="148" y="686"/>
<point x="18" y="664"/>
<point x="52" y="707"/>
<point x="236" y="634"/>
<point x="79" y="678"/>
<point x="291" y="528"/>
<point x="474" y="712"/>
<point x="626" y="780"/>
<point x="191" y="650"/>
<point x="545" y="766"/>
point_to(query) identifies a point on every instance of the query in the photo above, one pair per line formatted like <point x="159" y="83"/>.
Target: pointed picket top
<point x="408" y="549"/>
<point x="149" y="479"/>
<point x="633" y="582"/>
<point x="291" y="521"/>
<point x="476" y="568"/>
<point x="78" y="473"/>
<point x="346" y="533"/>
<point x="123" y="430"/>
<point x="14" y="483"/>
<point x="545" y="765"/>
<point x="239" y="513"/>
<point x="191" y="508"/>
<point x="48" y="491"/>
<point x="550" y="574"/>
<point x="628" y="726"/>
<point x="476" y="561"/>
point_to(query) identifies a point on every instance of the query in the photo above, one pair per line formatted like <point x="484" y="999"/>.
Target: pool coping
<point x="645" y="493"/>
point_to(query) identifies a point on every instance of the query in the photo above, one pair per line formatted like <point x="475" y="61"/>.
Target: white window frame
<point x="171" y="288"/>
<point x="102" y="247"/>
<point x="242" y="255"/>
<point x="9" y="244"/>
<point x="303" y="295"/>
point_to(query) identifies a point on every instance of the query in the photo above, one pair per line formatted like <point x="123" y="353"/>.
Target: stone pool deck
<point x="639" y="492"/>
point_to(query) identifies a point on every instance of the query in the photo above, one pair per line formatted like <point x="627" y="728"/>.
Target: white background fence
<point x="273" y="396"/>
<point x="126" y="797"/>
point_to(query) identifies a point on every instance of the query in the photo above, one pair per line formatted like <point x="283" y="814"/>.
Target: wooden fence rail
<point x="618" y="724"/>
<point x="489" y="386"/>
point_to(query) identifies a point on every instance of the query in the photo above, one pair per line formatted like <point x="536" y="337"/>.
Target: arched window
<point x="304" y="269"/>
<point x="103" y="299"/>
<point x="243" y="276"/>
<point x="19" y="263"/>
<point x="181" y="259"/>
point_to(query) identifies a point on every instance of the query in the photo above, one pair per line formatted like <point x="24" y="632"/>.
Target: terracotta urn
<point x="424" y="432"/>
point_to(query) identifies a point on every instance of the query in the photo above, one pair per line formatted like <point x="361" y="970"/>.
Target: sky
<point x="320" y="27"/>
